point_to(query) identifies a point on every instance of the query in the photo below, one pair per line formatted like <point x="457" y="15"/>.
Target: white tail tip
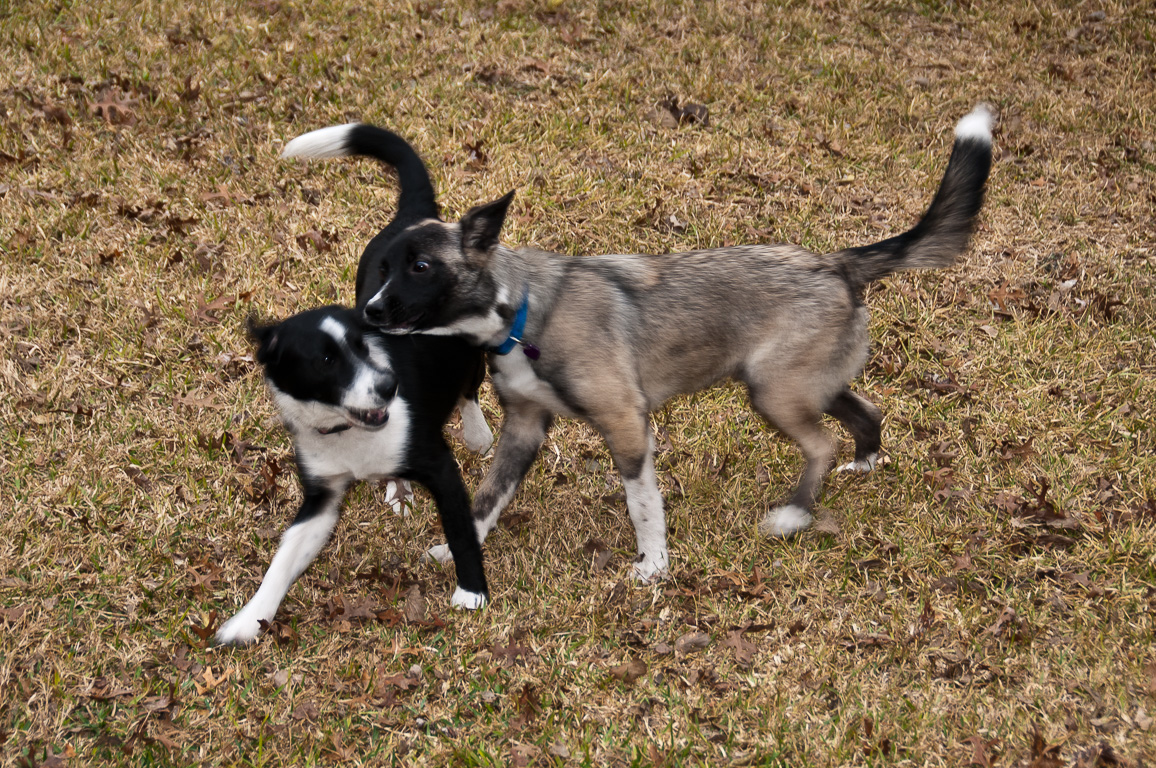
<point x="326" y="142"/>
<point x="976" y="125"/>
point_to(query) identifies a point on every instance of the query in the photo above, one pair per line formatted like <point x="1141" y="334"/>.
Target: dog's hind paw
<point x="862" y="466"/>
<point x="466" y="600"/>
<point x="439" y="553"/>
<point x="785" y="521"/>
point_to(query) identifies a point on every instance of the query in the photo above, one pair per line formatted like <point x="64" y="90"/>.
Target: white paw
<point x="242" y="629"/>
<point x="863" y="466"/>
<point x="475" y="430"/>
<point x="440" y="553"/>
<point x="650" y="569"/>
<point x="399" y="497"/>
<point x="466" y="600"/>
<point x="785" y="521"/>
<point x="479" y="440"/>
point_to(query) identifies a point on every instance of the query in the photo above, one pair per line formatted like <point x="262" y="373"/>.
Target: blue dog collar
<point x="515" y="337"/>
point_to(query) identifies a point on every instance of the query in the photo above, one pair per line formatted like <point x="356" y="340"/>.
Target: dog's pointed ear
<point x="481" y="227"/>
<point x="268" y="338"/>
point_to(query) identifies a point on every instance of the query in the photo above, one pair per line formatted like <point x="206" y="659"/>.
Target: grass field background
<point x="985" y="598"/>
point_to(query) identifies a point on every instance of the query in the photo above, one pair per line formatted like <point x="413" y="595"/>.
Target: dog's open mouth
<point x="372" y="418"/>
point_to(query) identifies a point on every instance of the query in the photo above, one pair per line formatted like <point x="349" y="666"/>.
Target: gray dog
<point x="608" y="339"/>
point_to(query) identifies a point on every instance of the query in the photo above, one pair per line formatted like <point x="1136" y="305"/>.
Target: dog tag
<point x="530" y="351"/>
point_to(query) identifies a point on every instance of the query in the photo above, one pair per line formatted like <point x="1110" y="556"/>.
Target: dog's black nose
<point x="387" y="387"/>
<point x="374" y="312"/>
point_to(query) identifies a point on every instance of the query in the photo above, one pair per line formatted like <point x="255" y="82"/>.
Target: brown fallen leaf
<point x="1044" y="755"/>
<point x="691" y="642"/>
<point x="528" y="704"/>
<point x="826" y="523"/>
<point x="744" y="649"/>
<point x="204" y="633"/>
<point x="114" y="107"/>
<point x="981" y="750"/>
<point x="209" y="681"/>
<point x="306" y="711"/>
<point x="630" y="671"/>
<point x="414" y="604"/>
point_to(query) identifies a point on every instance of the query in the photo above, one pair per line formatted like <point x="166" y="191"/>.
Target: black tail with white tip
<point x="416" y="200"/>
<point x="943" y="232"/>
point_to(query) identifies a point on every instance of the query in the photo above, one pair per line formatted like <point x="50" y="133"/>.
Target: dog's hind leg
<point x="799" y="420"/>
<point x="523" y="431"/>
<point x="300" y="545"/>
<point x="863" y="420"/>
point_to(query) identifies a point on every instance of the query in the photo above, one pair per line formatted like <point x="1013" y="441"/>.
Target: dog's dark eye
<point x="420" y="266"/>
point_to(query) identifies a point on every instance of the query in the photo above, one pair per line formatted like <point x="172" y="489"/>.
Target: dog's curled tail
<point x="943" y="232"/>
<point x="416" y="199"/>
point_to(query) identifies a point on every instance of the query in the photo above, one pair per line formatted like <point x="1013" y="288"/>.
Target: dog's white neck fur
<point x="357" y="453"/>
<point x="976" y="125"/>
<point x="326" y="142"/>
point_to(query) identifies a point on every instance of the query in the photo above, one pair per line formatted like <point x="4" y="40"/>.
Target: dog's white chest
<point x="360" y="453"/>
<point x="514" y="377"/>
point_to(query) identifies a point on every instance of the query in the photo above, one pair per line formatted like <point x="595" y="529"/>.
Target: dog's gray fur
<point x="619" y="335"/>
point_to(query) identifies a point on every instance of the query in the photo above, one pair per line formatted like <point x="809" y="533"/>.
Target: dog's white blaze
<point x="470" y="601"/>
<point x="325" y="142"/>
<point x="299" y="547"/>
<point x="476" y="431"/>
<point x="334" y="328"/>
<point x="976" y="125"/>
<point x="785" y="521"/>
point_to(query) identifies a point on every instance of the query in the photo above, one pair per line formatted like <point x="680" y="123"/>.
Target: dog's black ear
<point x="268" y="338"/>
<point x="481" y="227"/>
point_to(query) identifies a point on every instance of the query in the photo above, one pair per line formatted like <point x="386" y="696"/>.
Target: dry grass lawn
<point x="986" y="598"/>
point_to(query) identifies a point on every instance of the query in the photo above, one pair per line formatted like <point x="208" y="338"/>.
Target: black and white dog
<point x="361" y="406"/>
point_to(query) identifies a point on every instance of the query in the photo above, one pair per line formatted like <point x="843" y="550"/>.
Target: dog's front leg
<point x="444" y="481"/>
<point x="300" y="545"/>
<point x="523" y="432"/>
<point x="633" y="452"/>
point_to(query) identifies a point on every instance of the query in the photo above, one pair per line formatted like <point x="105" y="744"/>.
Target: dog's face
<point x="434" y="277"/>
<point x="327" y="370"/>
